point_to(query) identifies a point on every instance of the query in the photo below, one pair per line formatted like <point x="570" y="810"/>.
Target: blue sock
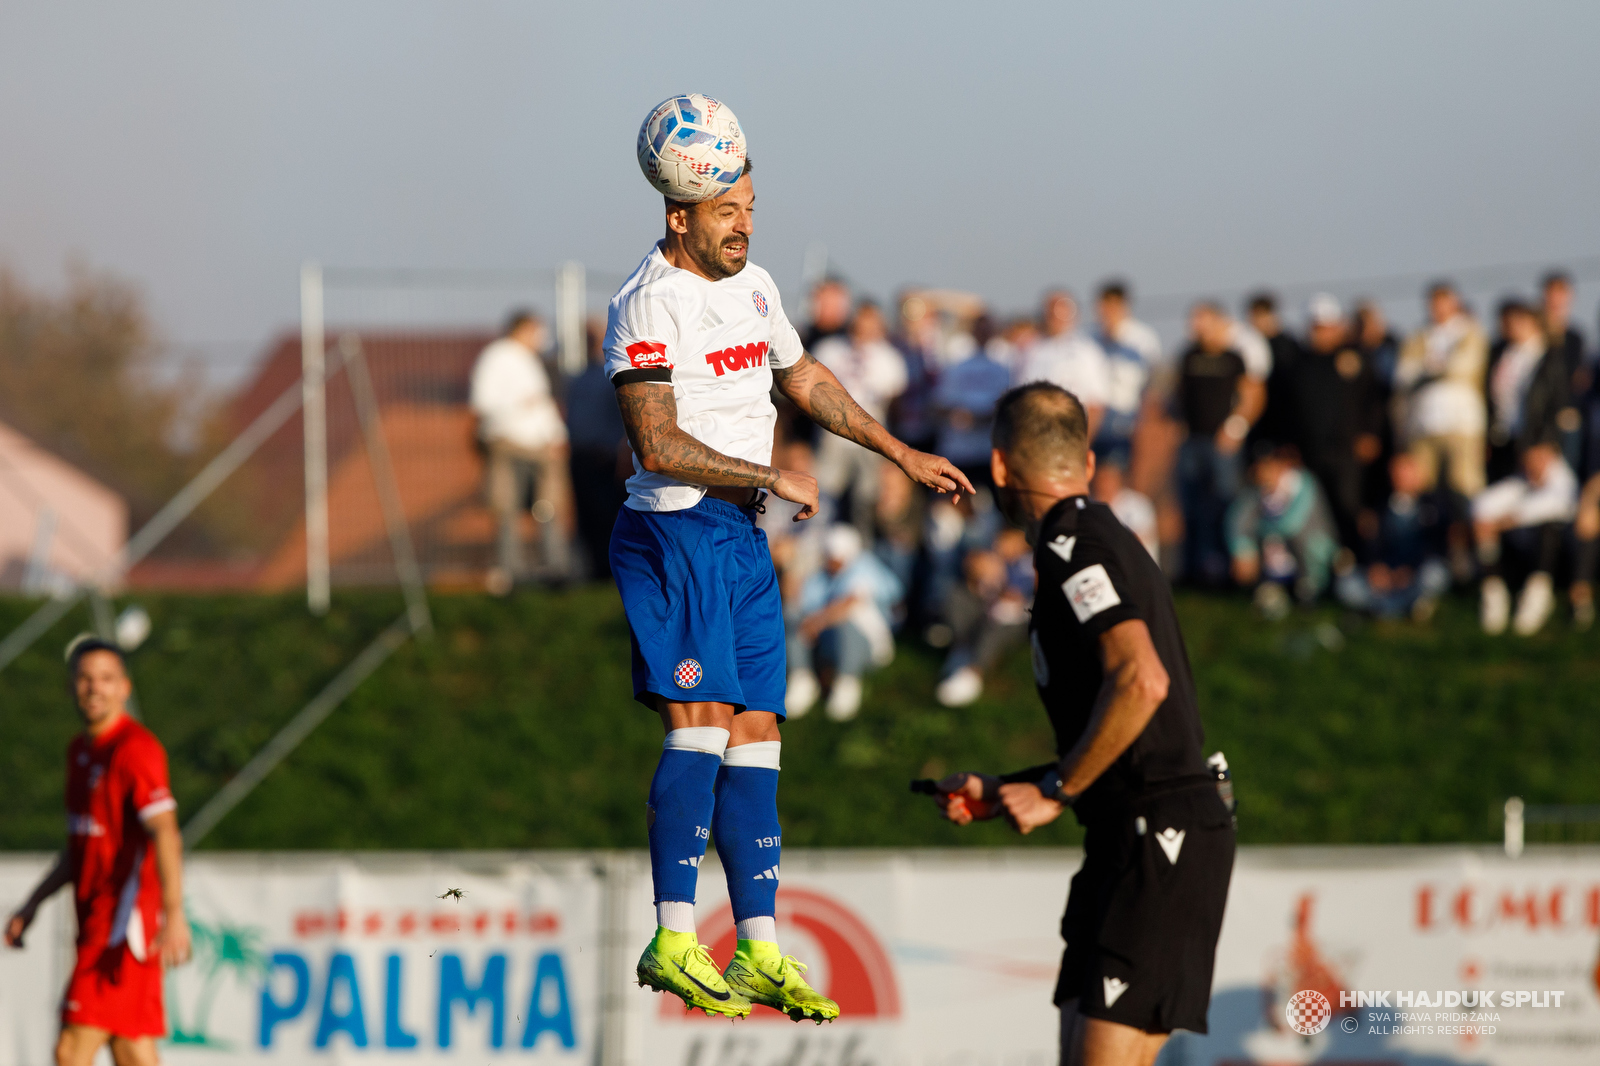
<point x="681" y="803"/>
<point x="749" y="840"/>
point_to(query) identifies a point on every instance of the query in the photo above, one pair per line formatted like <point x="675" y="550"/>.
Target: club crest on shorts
<point x="688" y="674"/>
<point x="761" y="302"/>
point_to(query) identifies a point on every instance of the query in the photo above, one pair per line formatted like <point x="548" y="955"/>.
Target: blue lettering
<point x="453" y="986"/>
<point x="351" y="1021"/>
<point x="394" y="1034"/>
<point x="549" y="974"/>
<point x="273" y="1012"/>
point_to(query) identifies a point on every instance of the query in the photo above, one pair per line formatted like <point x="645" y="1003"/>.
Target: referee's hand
<point x="966" y="798"/>
<point x="1027" y="808"/>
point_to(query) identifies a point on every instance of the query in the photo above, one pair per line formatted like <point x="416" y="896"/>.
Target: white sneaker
<point x="1534" y="606"/>
<point x="1494" y="609"/>
<point x="960" y="688"/>
<point x="844" y="702"/>
<point x="802" y="693"/>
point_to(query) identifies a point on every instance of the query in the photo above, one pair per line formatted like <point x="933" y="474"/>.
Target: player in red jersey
<point x="124" y="857"/>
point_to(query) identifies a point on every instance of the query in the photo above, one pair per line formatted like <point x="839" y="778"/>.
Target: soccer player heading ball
<point x="124" y="859"/>
<point x="695" y="340"/>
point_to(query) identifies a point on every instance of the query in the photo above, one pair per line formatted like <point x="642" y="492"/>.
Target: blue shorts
<point x="703" y="608"/>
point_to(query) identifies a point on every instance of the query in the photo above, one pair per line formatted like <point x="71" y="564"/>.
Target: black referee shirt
<point x="1094" y="574"/>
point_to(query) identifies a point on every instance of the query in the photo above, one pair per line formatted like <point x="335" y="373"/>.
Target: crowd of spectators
<point x="1344" y="462"/>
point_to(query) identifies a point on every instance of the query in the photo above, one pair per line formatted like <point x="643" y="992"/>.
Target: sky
<point x="205" y="150"/>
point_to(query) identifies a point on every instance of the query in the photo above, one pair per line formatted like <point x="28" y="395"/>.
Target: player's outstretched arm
<point x="650" y="414"/>
<point x="172" y="942"/>
<point x="1135" y="686"/>
<point x="812" y="387"/>
<point x="60" y="875"/>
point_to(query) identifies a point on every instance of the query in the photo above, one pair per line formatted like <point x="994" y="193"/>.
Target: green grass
<point x="514" y="727"/>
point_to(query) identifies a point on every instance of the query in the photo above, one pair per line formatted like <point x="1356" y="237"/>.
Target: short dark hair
<point x="1442" y="285"/>
<point x="1555" y="277"/>
<point x="1114" y="289"/>
<point x="1262" y="301"/>
<point x="517" y="318"/>
<point x="87" y="645"/>
<point x="1516" y="305"/>
<point x="1041" y="424"/>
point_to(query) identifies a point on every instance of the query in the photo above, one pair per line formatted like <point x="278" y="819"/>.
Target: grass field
<point x="514" y="727"/>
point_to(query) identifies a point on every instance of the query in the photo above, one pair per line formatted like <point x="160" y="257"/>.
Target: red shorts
<point x="112" y="990"/>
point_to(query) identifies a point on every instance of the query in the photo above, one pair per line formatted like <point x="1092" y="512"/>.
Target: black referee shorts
<point x="1145" y="911"/>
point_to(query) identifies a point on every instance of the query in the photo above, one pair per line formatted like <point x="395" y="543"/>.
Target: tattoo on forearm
<point x="650" y="414"/>
<point x="815" y="390"/>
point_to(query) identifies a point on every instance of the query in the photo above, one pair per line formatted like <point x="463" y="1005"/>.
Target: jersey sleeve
<point x="1083" y="570"/>
<point x="149" y="791"/>
<point x="642" y="337"/>
<point x="786" y="349"/>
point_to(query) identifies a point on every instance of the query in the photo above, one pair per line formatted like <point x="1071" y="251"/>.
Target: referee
<point x="1145" y="909"/>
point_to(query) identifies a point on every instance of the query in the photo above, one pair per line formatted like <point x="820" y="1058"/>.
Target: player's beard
<point x="713" y="260"/>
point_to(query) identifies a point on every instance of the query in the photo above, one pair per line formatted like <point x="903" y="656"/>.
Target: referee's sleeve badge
<point x="1090" y="591"/>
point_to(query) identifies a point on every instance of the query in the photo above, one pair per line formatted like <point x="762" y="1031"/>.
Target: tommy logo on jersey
<point x="760" y="302"/>
<point x="645" y="354"/>
<point x="739" y="357"/>
<point x="688" y="674"/>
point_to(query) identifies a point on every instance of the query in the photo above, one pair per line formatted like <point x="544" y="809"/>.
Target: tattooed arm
<point x="650" y="414"/>
<point x="812" y="387"/>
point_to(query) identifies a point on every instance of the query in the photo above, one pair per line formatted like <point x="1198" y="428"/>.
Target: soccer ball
<point x="691" y="148"/>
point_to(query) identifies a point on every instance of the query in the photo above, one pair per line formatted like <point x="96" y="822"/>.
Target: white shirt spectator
<point x="1554" y="499"/>
<point x="1134" y="510"/>
<point x="512" y="399"/>
<point x="873" y="373"/>
<point x="1443" y="405"/>
<point x="1072" y="361"/>
<point x="1253" y="349"/>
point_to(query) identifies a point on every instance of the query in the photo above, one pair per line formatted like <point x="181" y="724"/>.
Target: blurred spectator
<point x="830" y="313"/>
<point x="1527" y="390"/>
<point x="1276" y="425"/>
<point x="1280" y="535"/>
<point x="1439" y="393"/>
<point x="1219" y="396"/>
<point x="1408" y="569"/>
<point x="1133" y="508"/>
<point x="1133" y="353"/>
<point x="1011" y="348"/>
<point x="1335" y="413"/>
<point x="1567" y="343"/>
<point x="522" y="430"/>
<point x="601" y="460"/>
<point x="912" y="414"/>
<point x="965" y="399"/>
<point x="1064" y="356"/>
<point x="870" y="369"/>
<point x="844" y="629"/>
<point x="900" y="513"/>
<point x="1380" y="350"/>
<point x="987" y="613"/>
<point x="1586" y="554"/>
<point x="1519" y="524"/>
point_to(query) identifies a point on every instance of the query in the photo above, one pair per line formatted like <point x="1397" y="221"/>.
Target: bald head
<point x="1041" y="428"/>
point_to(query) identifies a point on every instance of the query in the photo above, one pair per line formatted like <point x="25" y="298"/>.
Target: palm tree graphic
<point x="218" y="949"/>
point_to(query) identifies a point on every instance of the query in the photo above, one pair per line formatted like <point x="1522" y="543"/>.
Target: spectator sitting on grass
<point x="1132" y="507"/>
<point x="988" y="614"/>
<point x="843" y="630"/>
<point x="1523" y="520"/>
<point x="1408" y="572"/>
<point x="1586" y="535"/>
<point x="1280" y="533"/>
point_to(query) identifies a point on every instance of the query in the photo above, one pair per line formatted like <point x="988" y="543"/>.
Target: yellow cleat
<point x="762" y="974"/>
<point x="678" y="963"/>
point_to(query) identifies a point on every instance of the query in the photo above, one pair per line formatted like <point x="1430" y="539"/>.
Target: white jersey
<point x="716" y="343"/>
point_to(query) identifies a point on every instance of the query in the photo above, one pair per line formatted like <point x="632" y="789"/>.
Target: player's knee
<point x="140" y="1052"/>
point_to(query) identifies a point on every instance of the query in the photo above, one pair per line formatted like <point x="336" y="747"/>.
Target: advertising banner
<point x="1416" y="956"/>
<point x="418" y="959"/>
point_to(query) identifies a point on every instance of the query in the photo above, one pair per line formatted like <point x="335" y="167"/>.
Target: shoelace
<point x="788" y="963"/>
<point x="699" y="954"/>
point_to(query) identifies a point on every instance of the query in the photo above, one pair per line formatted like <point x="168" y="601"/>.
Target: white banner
<point x="938" y="959"/>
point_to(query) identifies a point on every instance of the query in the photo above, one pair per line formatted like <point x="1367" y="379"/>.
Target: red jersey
<point x="114" y="781"/>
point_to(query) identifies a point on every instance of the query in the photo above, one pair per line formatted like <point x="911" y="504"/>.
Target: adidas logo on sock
<point x="695" y="862"/>
<point x="770" y="873"/>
